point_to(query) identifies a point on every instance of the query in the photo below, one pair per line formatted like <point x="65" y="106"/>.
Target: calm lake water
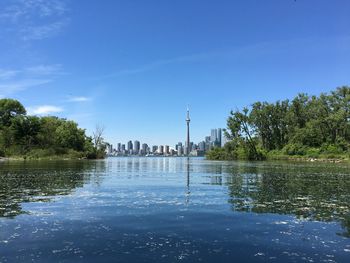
<point x="174" y="210"/>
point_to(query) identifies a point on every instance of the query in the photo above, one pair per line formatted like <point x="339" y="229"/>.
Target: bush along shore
<point x="308" y="128"/>
<point x="31" y="137"/>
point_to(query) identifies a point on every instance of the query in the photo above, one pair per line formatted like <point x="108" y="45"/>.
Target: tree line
<point x="313" y="126"/>
<point x="23" y="135"/>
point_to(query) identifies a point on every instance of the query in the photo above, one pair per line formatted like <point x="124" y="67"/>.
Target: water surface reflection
<point x="173" y="209"/>
<point x="34" y="181"/>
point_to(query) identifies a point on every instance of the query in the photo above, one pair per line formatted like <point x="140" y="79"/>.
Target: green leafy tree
<point x="70" y="136"/>
<point x="306" y="125"/>
<point x="10" y="108"/>
<point x="43" y="136"/>
<point x="26" y="130"/>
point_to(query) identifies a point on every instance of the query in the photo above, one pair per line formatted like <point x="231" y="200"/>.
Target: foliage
<point x="9" y="109"/>
<point x="41" y="137"/>
<point x="305" y="126"/>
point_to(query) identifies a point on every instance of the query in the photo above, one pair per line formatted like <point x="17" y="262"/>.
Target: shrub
<point x="294" y="149"/>
<point x="313" y="152"/>
<point x="331" y="149"/>
<point x="217" y="154"/>
<point x="40" y="153"/>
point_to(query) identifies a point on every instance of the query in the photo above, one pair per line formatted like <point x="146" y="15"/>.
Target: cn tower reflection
<point x="188" y="192"/>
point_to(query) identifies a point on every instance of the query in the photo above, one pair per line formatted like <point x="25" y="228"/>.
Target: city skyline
<point x="132" y="147"/>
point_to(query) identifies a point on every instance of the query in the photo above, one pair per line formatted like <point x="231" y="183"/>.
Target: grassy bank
<point x="43" y="155"/>
<point x="308" y="154"/>
<point x="50" y="154"/>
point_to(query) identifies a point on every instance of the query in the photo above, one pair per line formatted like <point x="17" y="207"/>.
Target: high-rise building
<point x="136" y="147"/>
<point x="207" y="143"/>
<point x="166" y="149"/>
<point x="186" y="150"/>
<point x="180" y="150"/>
<point x="119" y="147"/>
<point x="201" y="146"/>
<point x="161" y="149"/>
<point x="123" y="147"/>
<point x="154" y="148"/>
<point x="130" y="148"/>
<point x="213" y="136"/>
<point x="144" y="148"/>
<point x="179" y="144"/>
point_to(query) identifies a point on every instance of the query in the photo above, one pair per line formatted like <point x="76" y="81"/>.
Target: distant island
<point x="306" y="127"/>
<point x="24" y="136"/>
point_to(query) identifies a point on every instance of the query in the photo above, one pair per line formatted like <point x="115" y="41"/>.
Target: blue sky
<point x="134" y="66"/>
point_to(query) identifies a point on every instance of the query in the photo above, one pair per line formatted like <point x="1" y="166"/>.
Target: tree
<point x="10" y="108"/>
<point x="99" y="144"/>
<point x="26" y="130"/>
<point x="98" y="136"/>
<point x="306" y="125"/>
<point x="70" y="136"/>
<point x="44" y="136"/>
<point x="240" y="128"/>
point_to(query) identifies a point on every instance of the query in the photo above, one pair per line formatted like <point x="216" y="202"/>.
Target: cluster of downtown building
<point x="216" y="139"/>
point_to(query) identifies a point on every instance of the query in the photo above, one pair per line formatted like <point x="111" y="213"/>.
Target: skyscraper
<point x="213" y="136"/>
<point x="188" y="133"/>
<point x="179" y="150"/>
<point x="129" y="146"/>
<point x="161" y="149"/>
<point x="201" y="146"/>
<point x="136" y="147"/>
<point x="154" y="148"/>
<point x="166" y="149"/>
<point x="144" y="148"/>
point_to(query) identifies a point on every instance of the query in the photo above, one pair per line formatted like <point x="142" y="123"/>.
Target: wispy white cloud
<point x="42" y="31"/>
<point x="9" y="87"/>
<point x="78" y="99"/>
<point x="7" y="74"/>
<point x="54" y="69"/>
<point x="26" y="8"/>
<point x="35" y="19"/>
<point x="15" y="80"/>
<point x="44" y="110"/>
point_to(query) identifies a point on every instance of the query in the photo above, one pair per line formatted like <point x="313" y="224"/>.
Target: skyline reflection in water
<point x="174" y="208"/>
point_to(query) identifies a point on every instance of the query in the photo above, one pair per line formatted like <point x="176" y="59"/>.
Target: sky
<point x="133" y="66"/>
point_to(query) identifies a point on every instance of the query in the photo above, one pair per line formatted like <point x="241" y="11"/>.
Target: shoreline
<point x="309" y="159"/>
<point x="53" y="158"/>
<point x="280" y="158"/>
<point x="293" y="159"/>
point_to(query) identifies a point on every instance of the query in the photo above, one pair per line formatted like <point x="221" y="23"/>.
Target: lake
<point x="174" y="210"/>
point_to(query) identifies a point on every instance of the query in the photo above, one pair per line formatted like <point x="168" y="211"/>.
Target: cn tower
<point x="188" y="133"/>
